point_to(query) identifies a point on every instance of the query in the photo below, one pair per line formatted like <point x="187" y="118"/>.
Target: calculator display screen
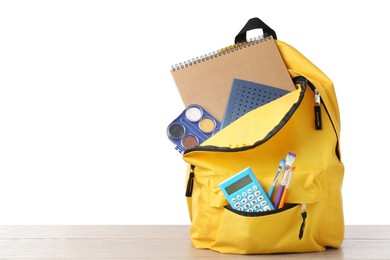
<point x="238" y="185"/>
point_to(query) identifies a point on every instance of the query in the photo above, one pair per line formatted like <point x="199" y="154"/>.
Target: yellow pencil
<point x="283" y="199"/>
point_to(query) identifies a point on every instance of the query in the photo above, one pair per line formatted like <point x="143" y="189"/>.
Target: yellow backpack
<point x="313" y="216"/>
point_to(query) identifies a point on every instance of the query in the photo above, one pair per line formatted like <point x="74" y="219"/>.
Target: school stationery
<point x="192" y="127"/>
<point x="289" y="161"/>
<point x="207" y="80"/>
<point x="244" y="192"/>
<point x="246" y="96"/>
<point x="283" y="199"/>
<point x="259" y="140"/>
<point x="278" y="172"/>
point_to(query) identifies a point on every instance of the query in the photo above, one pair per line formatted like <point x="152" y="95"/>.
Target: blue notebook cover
<point x="246" y="96"/>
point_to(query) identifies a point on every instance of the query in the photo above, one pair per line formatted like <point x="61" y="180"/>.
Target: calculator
<point x="245" y="193"/>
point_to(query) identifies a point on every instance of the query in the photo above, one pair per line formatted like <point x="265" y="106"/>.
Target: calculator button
<point x="256" y="207"/>
<point x="250" y="191"/>
<point x="239" y="197"/>
<point x="260" y="198"/>
<point x="257" y="193"/>
<point x="243" y="201"/>
<point x="251" y="197"/>
<point x="234" y="200"/>
<point x="240" y="209"/>
<point x="247" y="206"/>
<point x="254" y="202"/>
<point x="263" y="203"/>
<point x="237" y="204"/>
<point x="254" y="188"/>
<point x="244" y="194"/>
<point x="250" y="210"/>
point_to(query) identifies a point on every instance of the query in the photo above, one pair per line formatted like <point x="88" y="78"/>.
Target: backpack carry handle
<point x="254" y="23"/>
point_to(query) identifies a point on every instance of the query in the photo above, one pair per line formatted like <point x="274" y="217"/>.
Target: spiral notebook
<point x="246" y="96"/>
<point x="207" y="80"/>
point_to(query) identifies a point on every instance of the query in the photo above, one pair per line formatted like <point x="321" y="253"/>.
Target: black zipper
<point x="314" y="89"/>
<point x="190" y="182"/>
<point x="303" y="224"/>
<point x="297" y="80"/>
<point x="271" y="212"/>
<point x="261" y="213"/>
<point x="317" y="110"/>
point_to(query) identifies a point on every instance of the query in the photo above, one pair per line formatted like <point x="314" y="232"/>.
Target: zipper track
<point x="311" y="85"/>
<point x="263" y="213"/>
<point x="297" y="80"/>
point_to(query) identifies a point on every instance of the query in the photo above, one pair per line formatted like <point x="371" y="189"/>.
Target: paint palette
<point x="192" y="127"/>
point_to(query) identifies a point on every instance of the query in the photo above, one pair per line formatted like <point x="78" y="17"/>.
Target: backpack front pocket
<point x="278" y="231"/>
<point x="297" y="227"/>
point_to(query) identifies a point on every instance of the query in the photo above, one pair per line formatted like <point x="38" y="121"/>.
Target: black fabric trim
<point x="190" y="182"/>
<point x="264" y="213"/>
<point x="311" y="85"/>
<point x="297" y="80"/>
<point x="283" y="121"/>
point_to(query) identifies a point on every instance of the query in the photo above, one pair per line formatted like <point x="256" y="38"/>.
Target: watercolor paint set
<point x="192" y="127"/>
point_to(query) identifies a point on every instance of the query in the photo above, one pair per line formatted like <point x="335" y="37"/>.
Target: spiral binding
<point x="221" y="52"/>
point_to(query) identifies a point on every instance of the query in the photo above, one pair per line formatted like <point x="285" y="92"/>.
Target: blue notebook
<point x="246" y="96"/>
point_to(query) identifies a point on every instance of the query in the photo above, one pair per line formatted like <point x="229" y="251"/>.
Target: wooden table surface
<point x="160" y="242"/>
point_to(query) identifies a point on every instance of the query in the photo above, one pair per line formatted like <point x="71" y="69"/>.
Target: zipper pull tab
<point x="304" y="215"/>
<point x="317" y="110"/>
<point x="190" y="183"/>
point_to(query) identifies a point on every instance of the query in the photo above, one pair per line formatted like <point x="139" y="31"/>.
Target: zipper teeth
<point x="313" y="88"/>
<point x="190" y="182"/>
<point x="260" y="214"/>
<point x="297" y="80"/>
<point x="326" y="110"/>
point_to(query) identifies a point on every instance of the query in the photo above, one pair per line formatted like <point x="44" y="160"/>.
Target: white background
<point x="86" y="94"/>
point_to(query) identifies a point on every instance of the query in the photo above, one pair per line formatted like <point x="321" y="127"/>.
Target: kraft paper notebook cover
<point x="207" y="80"/>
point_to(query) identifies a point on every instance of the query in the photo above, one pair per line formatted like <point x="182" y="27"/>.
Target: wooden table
<point x="160" y="242"/>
